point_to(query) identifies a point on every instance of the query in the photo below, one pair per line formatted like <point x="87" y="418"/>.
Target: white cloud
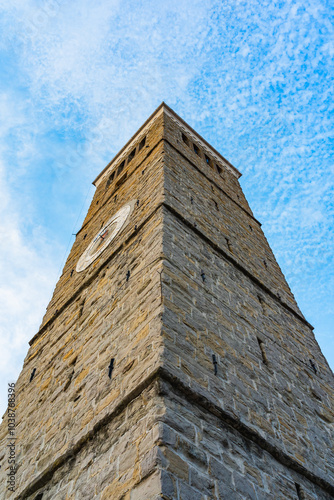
<point x="255" y="82"/>
<point x="26" y="272"/>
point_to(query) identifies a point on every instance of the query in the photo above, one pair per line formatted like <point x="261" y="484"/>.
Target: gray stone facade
<point x="218" y="389"/>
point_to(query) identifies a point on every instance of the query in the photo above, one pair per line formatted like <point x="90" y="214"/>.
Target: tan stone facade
<point x="218" y="388"/>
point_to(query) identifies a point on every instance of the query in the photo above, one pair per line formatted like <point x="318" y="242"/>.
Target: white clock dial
<point x="105" y="236"/>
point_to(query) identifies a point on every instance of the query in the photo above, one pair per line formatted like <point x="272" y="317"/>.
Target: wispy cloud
<point x="78" y="80"/>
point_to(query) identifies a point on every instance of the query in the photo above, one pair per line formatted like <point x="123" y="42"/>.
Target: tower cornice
<point x="141" y="132"/>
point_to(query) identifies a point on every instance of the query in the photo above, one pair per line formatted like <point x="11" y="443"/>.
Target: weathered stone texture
<point x="116" y="463"/>
<point x="209" y="459"/>
<point x="203" y="281"/>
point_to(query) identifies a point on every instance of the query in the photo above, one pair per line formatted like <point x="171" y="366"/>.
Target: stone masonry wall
<point x="117" y="464"/>
<point x="204" y="458"/>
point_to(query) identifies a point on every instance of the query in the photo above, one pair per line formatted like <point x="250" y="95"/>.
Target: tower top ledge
<point x="141" y="132"/>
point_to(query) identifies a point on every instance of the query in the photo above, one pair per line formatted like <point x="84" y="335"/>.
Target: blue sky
<point x="78" y="79"/>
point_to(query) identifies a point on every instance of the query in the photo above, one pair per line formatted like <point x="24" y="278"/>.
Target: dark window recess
<point x="120" y="168"/>
<point x="300" y="492"/>
<point x="203" y="276"/>
<point x="39" y="496"/>
<point x="81" y="307"/>
<point x="265" y="264"/>
<point x="110" y="179"/>
<point x="216" y="205"/>
<point x="196" y="149"/>
<point x="207" y="159"/>
<point x="219" y="170"/>
<point x="32" y="374"/>
<point x="111" y="367"/>
<point x="71" y="273"/>
<point x="142" y="144"/>
<point x="121" y="179"/>
<point x="215" y="364"/>
<point x="85" y="236"/>
<point x="314" y="368"/>
<point x="250" y="227"/>
<point x="185" y="139"/>
<point x="263" y="352"/>
<point x="76" y="399"/>
<point x="131" y="155"/>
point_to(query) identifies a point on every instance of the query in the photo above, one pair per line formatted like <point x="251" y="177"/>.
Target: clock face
<point x="105" y="236"/>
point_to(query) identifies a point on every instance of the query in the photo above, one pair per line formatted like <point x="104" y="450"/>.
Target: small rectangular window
<point x="120" y="168"/>
<point x="142" y="143"/>
<point x="131" y="155"/>
<point x="196" y="149"/>
<point x="185" y="139"/>
<point x="110" y="179"/>
<point x="219" y="170"/>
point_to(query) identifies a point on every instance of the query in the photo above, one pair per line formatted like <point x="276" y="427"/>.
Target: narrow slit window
<point x="313" y="366"/>
<point x="81" y="307"/>
<point x="32" y="375"/>
<point x="131" y="155"/>
<point x="110" y="179"/>
<point x="196" y="149"/>
<point x="142" y="143"/>
<point x="111" y="367"/>
<point x="219" y="170"/>
<point x="120" y="168"/>
<point x="300" y="492"/>
<point x="263" y="351"/>
<point x="185" y="139"/>
<point x="207" y="159"/>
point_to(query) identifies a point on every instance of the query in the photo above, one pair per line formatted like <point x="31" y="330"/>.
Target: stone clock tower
<point x="173" y="361"/>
